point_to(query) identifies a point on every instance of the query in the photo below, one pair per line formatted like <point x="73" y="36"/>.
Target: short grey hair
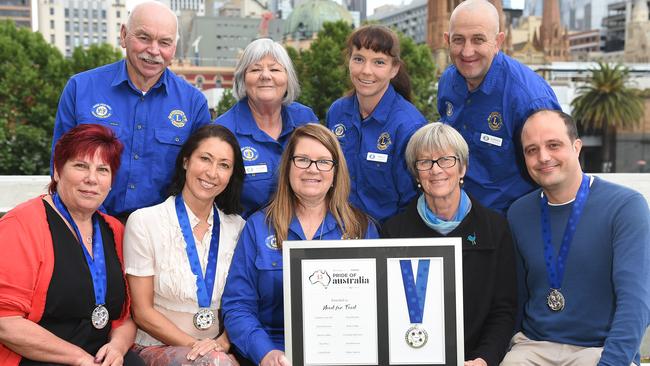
<point x="435" y="137"/>
<point x="254" y="52"/>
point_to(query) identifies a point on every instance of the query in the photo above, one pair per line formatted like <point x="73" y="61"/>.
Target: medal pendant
<point x="555" y="300"/>
<point x="416" y="337"/>
<point x="203" y="319"/>
<point x="99" y="317"/>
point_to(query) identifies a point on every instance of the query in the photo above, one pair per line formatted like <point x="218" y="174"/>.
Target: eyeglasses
<point x="323" y="165"/>
<point x="443" y="162"/>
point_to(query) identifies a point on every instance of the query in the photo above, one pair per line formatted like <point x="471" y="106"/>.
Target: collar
<point x="122" y="76"/>
<point x="490" y="82"/>
<point x="328" y="225"/>
<point x="383" y="108"/>
<point x="246" y="124"/>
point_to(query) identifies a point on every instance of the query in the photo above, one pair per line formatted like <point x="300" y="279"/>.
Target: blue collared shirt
<point x="490" y="119"/>
<point x="381" y="185"/>
<point x="252" y="302"/>
<point x="260" y="151"/>
<point x="152" y="127"/>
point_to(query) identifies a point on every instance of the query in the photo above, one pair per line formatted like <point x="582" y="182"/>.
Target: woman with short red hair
<point x="63" y="295"/>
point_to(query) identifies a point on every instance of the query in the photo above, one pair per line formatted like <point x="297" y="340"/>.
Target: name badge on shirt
<point x="492" y="140"/>
<point x="255" y="169"/>
<point x="377" y="157"/>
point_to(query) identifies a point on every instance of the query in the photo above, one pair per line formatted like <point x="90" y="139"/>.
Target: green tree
<point x="422" y="71"/>
<point x="226" y="102"/>
<point x="96" y="55"/>
<point x="32" y="75"/>
<point x="606" y="103"/>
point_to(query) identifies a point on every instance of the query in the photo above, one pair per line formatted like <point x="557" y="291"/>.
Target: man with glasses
<point x="487" y="96"/>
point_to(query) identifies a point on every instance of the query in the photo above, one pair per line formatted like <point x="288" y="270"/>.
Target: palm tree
<point x="606" y="103"/>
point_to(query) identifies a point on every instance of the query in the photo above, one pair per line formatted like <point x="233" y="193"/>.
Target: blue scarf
<point x="440" y="225"/>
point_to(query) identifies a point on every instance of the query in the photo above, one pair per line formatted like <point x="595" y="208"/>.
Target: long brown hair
<point x="382" y="39"/>
<point x="281" y="209"/>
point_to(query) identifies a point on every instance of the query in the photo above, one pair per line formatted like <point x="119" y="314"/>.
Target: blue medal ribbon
<point x="96" y="263"/>
<point x="555" y="266"/>
<point x="204" y="285"/>
<point x="415" y="290"/>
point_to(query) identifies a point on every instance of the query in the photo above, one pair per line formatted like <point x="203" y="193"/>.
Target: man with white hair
<point x="487" y="96"/>
<point x="149" y="108"/>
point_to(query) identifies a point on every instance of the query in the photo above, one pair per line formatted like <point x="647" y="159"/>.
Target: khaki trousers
<point x="526" y="352"/>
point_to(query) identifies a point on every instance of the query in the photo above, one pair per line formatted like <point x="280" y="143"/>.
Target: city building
<point x="586" y="45"/>
<point x="20" y="11"/>
<point x="552" y="34"/>
<point x="68" y="24"/>
<point x="637" y="34"/>
<point x="197" y="6"/>
<point x="614" y="25"/>
<point x="411" y="20"/>
<point x="306" y="20"/>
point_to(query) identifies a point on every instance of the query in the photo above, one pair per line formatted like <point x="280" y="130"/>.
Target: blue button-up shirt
<point x="381" y="184"/>
<point x="490" y="119"/>
<point x="260" y="151"/>
<point x="152" y="127"/>
<point x="252" y="301"/>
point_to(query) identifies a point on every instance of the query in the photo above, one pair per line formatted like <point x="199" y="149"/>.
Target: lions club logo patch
<point x="339" y="130"/>
<point x="383" y="142"/>
<point x="495" y="121"/>
<point x="450" y="109"/>
<point x="249" y="153"/>
<point x="101" y="110"/>
<point x="177" y="118"/>
<point x="271" y="242"/>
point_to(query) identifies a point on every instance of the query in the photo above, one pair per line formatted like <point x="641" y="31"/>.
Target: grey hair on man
<point x="254" y="52"/>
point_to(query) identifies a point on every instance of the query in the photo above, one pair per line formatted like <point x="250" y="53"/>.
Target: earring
<point x="419" y="185"/>
<point x="462" y="181"/>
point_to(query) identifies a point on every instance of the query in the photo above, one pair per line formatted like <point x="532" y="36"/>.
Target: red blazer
<point x="27" y="263"/>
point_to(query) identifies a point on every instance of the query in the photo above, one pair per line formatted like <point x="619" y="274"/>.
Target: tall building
<point x="553" y="35"/>
<point x="358" y="6"/>
<point x="20" y="11"/>
<point x="68" y="24"/>
<point x="410" y="20"/>
<point x="637" y="34"/>
<point x="198" y="6"/>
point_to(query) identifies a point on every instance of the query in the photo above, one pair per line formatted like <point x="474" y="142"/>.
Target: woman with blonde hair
<point x="310" y="203"/>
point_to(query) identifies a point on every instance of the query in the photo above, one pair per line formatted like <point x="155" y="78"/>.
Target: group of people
<point x="195" y="276"/>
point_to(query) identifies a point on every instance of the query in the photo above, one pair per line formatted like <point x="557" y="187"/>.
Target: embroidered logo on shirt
<point x="383" y="142"/>
<point x="177" y="118"/>
<point x="339" y="130"/>
<point x="249" y="153"/>
<point x="450" y="109"/>
<point x="271" y="242"/>
<point x="472" y="238"/>
<point x="495" y="121"/>
<point x="101" y="110"/>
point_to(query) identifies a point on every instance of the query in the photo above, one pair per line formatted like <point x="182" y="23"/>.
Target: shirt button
<point x="177" y="139"/>
<point x="132" y="186"/>
<point x="274" y="264"/>
<point x="468" y="101"/>
<point x="136" y="156"/>
<point x="139" y="126"/>
<point x="142" y="98"/>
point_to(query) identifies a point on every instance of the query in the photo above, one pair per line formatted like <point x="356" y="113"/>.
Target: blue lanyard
<point x="555" y="266"/>
<point x="204" y="285"/>
<point x="96" y="264"/>
<point x="415" y="291"/>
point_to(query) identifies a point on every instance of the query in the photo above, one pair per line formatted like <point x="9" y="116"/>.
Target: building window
<point x="67" y="41"/>
<point x="51" y="24"/>
<point x="95" y="27"/>
<point x="95" y="13"/>
<point x="75" y="13"/>
<point x="52" y="39"/>
<point x="84" y="13"/>
<point x="66" y="12"/>
<point x="75" y="27"/>
<point x="51" y="11"/>
<point x="86" y="28"/>
<point x="103" y="27"/>
<point x="67" y="26"/>
<point x="117" y="14"/>
<point x="103" y="14"/>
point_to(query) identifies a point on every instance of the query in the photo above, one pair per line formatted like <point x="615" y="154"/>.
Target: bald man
<point x="487" y="96"/>
<point x="150" y="109"/>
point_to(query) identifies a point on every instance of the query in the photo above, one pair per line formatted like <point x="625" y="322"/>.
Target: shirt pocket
<point x="269" y="269"/>
<point x="168" y="145"/>
<point x="377" y="179"/>
<point x="496" y="161"/>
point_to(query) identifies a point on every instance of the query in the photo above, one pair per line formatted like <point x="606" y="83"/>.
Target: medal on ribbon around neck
<point x="204" y="318"/>
<point x="555" y="266"/>
<point x="99" y="317"/>
<point x="415" y="291"/>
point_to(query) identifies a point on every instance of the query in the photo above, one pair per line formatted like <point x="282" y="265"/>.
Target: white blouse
<point x="154" y="246"/>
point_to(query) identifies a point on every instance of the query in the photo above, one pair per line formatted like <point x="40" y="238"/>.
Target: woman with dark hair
<point x="177" y="254"/>
<point x="63" y="297"/>
<point x="375" y="122"/>
<point x="311" y="203"/>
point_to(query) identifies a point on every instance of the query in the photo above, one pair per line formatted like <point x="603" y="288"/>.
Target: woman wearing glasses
<point x="437" y="158"/>
<point x="310" y="203"/>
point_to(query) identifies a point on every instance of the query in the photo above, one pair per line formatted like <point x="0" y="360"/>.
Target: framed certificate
<point x="373" y="302"/>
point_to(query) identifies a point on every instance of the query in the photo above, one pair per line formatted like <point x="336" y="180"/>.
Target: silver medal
<point x="99" y="317"/>
<point x="416" y="337"/>
<point x="203" y="319"/>
<point x="555" y="300"/>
